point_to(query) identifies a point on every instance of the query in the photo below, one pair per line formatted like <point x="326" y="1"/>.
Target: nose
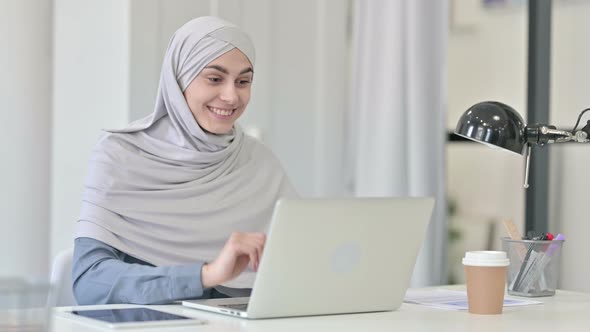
<point x="229" y="94"/>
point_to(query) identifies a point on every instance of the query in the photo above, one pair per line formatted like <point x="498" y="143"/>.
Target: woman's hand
<point x="240" y="250"/>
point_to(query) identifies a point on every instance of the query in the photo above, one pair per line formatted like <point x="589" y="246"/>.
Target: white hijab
<point x="167" y="192"/>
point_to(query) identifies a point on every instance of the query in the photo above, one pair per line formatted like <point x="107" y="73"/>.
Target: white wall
<point x="570" y="87"/>
<point x="91" y="84"/>
<point x="308" y="96"/>
<point x="25" y="99"/>
<point x="488" y="60"/>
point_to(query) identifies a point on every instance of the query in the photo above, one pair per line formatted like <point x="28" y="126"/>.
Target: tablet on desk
<point x="130" y="318"/>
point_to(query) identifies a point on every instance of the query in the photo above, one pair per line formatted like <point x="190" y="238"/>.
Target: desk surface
<point x="566" y="311"/>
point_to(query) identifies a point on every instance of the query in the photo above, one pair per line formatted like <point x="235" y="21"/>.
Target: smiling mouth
<point x="222" y="113"/>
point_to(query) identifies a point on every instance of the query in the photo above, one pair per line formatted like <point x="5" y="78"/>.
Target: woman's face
<point x="220" y="93"/>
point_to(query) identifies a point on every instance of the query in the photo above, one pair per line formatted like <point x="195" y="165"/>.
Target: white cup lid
<point x="486" y="258"/>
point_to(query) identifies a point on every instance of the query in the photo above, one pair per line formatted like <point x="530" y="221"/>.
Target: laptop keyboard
<point x="241" y="306"/>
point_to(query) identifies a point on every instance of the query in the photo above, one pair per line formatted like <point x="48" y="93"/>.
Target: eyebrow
<point x="225" y="71"/>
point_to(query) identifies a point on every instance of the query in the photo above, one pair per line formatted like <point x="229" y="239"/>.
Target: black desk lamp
<point x="500" y="126"/>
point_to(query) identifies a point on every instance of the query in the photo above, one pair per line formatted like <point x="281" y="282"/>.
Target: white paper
<point x="453" y="300"/>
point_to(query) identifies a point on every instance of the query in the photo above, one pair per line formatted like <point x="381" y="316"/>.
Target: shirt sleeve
<point x="102" y="274"/>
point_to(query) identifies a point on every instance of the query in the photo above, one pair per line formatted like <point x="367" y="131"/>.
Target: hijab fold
<point x="165" y="191"/>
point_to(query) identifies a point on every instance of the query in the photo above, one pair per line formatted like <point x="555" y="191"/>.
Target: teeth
<point x="221" y="111"/>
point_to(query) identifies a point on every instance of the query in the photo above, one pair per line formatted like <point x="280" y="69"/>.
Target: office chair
<point x="61" y="293"/>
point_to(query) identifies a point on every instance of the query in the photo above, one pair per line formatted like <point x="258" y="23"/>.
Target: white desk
<point x="566" y="311"/>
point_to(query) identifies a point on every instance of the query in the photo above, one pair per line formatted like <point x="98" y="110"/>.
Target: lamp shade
<point x="494" y="124"/>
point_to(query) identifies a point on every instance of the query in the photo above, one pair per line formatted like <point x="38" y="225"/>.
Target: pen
<point x="523" y="266"/>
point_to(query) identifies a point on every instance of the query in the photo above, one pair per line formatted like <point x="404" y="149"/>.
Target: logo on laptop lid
<point x="346" y="258"/>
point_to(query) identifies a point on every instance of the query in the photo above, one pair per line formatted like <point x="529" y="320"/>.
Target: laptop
<point x="333" y="256"/>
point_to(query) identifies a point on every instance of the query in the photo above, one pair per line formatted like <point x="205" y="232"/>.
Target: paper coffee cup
<point x="485" y="274"/>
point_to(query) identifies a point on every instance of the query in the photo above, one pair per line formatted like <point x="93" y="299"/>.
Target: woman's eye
<point x="243" y="82"/>
<point x="214" y="79"/>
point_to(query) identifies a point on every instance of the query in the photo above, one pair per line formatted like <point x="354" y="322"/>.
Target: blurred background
<point x="356" y="98"/>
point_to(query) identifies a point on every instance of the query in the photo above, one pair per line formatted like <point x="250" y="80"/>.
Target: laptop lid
<point x="331" y="256"/>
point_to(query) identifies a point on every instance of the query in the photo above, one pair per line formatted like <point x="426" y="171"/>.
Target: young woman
<point x="177" y="204"/>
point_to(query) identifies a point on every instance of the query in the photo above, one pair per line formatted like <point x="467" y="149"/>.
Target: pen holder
<point x="534" y="266"/>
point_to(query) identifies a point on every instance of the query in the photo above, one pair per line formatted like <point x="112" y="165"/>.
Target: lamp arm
<point x="549" y="134"/>
<point x="555" y="135"/>
<point x="544" y="134"/>
<point x="540" y="134"/>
